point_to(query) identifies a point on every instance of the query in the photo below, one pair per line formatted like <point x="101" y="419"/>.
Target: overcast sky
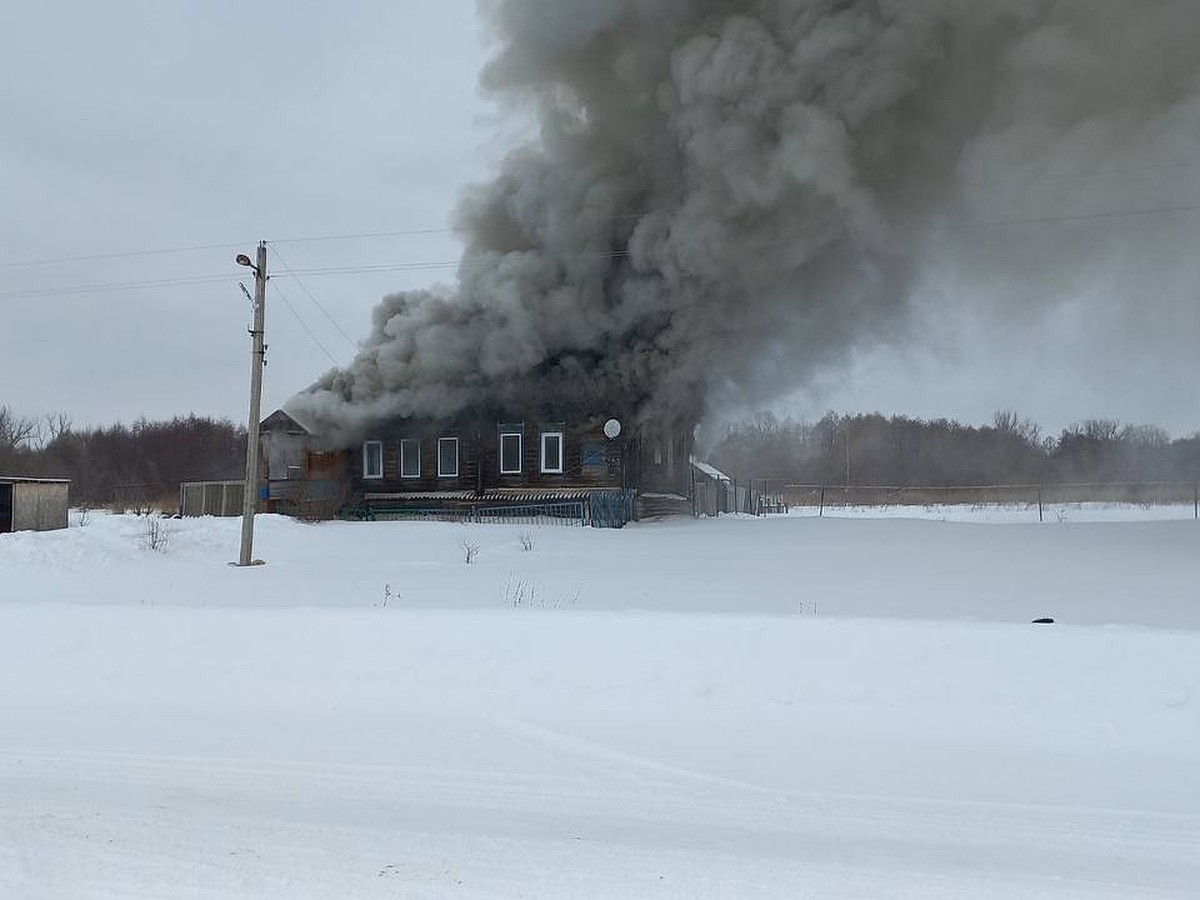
<point x="148" y="126"/>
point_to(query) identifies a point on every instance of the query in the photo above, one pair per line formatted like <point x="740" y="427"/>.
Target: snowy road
<point x="87" y="825"/>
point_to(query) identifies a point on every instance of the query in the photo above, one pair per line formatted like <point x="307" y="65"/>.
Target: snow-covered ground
<point x="1015" y="513"/>
<point x="787" y="707"/>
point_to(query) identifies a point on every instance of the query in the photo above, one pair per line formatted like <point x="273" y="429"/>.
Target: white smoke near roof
<point x="726" y="195"/>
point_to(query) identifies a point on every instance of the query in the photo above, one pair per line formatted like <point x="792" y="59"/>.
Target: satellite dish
<point x="612" y="429"/>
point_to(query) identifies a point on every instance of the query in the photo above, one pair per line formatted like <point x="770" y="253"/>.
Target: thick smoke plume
<point x="726" y="195"/>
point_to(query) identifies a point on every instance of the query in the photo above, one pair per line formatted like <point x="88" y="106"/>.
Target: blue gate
<point x="612" y="509"/>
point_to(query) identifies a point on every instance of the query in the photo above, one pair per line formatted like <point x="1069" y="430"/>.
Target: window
<point x="373" y="459"/>
<point x="510" y="453"/>
<point x="552" y="452"/>
<point x="410" y="459"/>
<point x="447" y="457"/>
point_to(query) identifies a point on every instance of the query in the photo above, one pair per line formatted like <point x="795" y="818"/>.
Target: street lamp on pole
<point x="258" y="361"/>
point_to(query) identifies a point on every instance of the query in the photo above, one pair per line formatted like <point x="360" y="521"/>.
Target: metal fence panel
<point x="211" y="498"/>
<point x="566" y="513"/>
<point x="1031" y="495"/>
<point x="612" y="509"/>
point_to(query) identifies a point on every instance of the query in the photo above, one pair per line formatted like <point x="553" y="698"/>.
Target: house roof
<point x="710" y="470"/>
<point x="281" y="419"/>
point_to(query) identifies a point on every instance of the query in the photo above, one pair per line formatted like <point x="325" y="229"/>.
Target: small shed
<point x="33" y="504"/>
<point x="712" y="490"/>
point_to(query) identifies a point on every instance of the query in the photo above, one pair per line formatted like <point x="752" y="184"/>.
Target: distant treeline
<point x="899" y="451"/>
<point x="125" y="465"/>
<point x="143" y="463"/>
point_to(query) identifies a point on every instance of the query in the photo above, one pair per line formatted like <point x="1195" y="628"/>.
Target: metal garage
<point x="33" y="504"/>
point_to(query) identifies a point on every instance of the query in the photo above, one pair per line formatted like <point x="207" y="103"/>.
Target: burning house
<point x="722" y="201"/>
<point x="498" y="459"/>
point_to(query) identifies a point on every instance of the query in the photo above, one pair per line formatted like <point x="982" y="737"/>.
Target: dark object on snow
<point x="1043" y="621"/>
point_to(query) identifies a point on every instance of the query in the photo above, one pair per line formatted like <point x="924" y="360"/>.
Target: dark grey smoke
<point x="727" y="195"/>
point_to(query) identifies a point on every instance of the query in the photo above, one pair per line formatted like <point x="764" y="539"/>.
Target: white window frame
<point x="562" y="452"/>
<point x="457" y="461"/>
<point x="520" y="452"/>
<point x="368" y="475"/>
<point x="415" y="445"/>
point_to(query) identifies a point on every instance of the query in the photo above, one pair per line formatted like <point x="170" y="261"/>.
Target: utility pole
<point x="257" y="362"/>
<point x="847" y="436"/>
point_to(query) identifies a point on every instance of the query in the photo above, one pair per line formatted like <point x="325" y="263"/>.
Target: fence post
<point x="1040" y="513"/>
<point x="1196" y="500"/>
<point x="821" y="513"/>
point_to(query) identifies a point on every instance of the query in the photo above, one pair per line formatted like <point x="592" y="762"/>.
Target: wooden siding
<point x="589" y="458"/>
<point x="663" y="462"/>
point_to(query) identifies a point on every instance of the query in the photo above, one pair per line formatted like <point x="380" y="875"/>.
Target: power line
<point x="465" y="262"/>
<point x="469" y="262"/>
<point x="986" y="182"/>
<point x="311" y="296"/>
<point x="1085" y="217"/>
<point x="413" y="232"/>
<point x="1098" y="173"/>
<point x="304" y="325"/>
<point x="196" y="248"/>
<point x="117" y="286"/>
<point x="385" y="267"/>
<point x="916" y="184"/>
<point x="97" y="257"/>
<point x="362" y="236"/>
<point x="960" y="225"/>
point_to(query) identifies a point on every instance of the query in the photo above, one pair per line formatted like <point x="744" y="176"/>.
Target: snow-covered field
<point x="788" y="707"/>
<point x="1014" y="513"/>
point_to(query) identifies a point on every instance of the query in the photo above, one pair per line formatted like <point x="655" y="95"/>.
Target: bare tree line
<point x="902" y="451"/>
<point x="146" y="461"/>
<point x="125" y="465"/>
